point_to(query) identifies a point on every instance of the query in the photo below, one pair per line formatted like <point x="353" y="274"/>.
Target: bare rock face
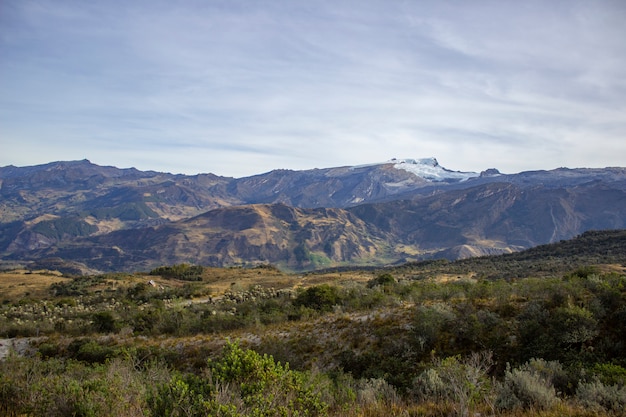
<point x="110" y="219"/>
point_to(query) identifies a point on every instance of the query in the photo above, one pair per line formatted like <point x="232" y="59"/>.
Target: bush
<point x="461" y="382"/>
<point x="180" y="396"/>
<point x="429" y="386"/>
<point x="432" y="325"/>
<point x="265" y="386"/>
<point x="376" y="391"/>
<point x="320" y="298"/>
<point x="30" y="386"/>
<point x="550" y="371"/>
<point x="599" y="397"/>
<point x="610" y="374"/>
<point x="104" y="322"/>
<point x="382" y="280"/>
<point x="239" y="383"/>
<point x="529" y="386"/>
<point x="94" y="352"/>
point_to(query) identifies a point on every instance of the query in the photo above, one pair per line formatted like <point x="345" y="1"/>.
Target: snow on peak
<point x="429" y="168"/>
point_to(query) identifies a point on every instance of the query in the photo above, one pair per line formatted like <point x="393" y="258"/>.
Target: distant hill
<point x="378" y="214"/>
<point x="579" y="254"/>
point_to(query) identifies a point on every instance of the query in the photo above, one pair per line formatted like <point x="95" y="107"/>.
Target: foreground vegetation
<point x="425" y="339"/>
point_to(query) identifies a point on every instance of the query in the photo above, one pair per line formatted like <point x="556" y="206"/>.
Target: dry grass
<point x="221" y="279"/>
<point x="608" y="268"/>
<point x="19" y="284"/>
<point x="445" y="278"/>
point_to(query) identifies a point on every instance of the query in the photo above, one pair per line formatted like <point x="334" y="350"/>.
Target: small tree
<point x="383" y="280"/>
<point x="321" y="298"/>
<point x="104" y="322"/>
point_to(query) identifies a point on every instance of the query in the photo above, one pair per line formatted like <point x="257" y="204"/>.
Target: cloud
<point x="239" y="87"/>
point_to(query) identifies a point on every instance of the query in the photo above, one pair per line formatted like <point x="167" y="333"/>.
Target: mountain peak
<point x="429" y="169"/>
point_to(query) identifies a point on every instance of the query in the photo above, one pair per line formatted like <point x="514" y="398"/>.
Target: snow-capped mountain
<point x="402" y="209"/>
<point x="429" y="169"/>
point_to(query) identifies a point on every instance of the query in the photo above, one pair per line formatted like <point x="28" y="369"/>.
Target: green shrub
<point x="583" y="272"/>
<point x="320" y="298"/>
<point x="529" y="386"/>
<point x="461" y="382"/>
<point x="104" y="322"/>
<point x="265" y="386"/>
<point x="375" y="391"/>
<point x="610" y="374"/>
<point x="48" y="350"/>
<point x="58" y="388"/>
<point x="239" y="383"/>
<point x="184" y="272"/>
<point x="94" y="352"/>
<point x="10" y="395"/>
<point x="599" y="397"/>
<point x="180" y="396"/>
<point x="429" y="386"/>
<point x="382" y="280"/>
<point x="432" y="327"/>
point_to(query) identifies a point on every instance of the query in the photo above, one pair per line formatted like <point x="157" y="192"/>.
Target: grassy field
<point x="20" y="284"/>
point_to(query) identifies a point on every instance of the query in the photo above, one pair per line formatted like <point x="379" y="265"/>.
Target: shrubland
<point x="434" y="338"/>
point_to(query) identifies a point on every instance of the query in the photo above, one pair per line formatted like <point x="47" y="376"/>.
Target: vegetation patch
<point x="432" y="338"/>
<point x="184" y="272"/>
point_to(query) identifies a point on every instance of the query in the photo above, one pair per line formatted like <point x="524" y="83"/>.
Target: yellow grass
<point x="19" y="284"/>
<point x="607" y="268"/>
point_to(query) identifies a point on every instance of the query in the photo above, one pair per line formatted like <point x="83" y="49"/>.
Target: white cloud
<point x="239" y="87"/>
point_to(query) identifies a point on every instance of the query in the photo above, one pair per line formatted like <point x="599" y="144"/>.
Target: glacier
<point x="429" y="169"/>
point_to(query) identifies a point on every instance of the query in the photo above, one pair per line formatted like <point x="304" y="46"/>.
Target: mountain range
<point x="90" y="218"/>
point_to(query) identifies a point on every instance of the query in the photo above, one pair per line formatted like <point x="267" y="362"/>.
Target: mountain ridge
<point x="383" y="213"/>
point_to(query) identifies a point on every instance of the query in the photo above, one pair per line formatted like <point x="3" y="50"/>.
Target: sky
<point x="242" y="87"/>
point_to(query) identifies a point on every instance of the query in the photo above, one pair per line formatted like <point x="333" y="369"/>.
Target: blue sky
<point x="238" y="88"/>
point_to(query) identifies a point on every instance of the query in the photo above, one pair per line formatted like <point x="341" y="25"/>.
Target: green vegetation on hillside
<point x="124" y="212"/>
<point x="65" y="226"/>
<point x="434" y="338"/>
<point x="183" y="272"/>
